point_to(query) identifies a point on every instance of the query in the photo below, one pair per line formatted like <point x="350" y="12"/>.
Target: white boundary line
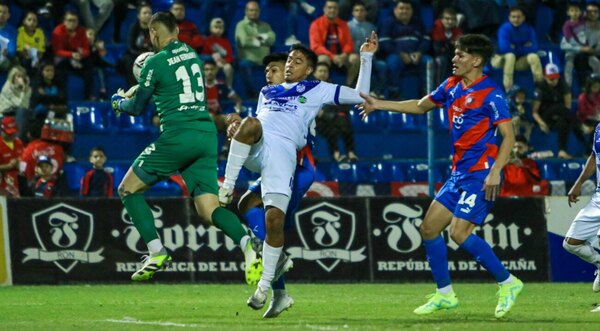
<point x="129" y="320"/>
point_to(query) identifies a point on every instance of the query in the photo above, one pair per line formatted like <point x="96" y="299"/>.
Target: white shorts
<point x="275" y="159"/>
<point x="586" y="225"/>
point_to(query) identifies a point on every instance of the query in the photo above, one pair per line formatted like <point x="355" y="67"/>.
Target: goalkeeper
<point x="187" y="143"/>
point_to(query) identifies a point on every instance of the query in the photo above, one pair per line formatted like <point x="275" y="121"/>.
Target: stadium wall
<point x="336" y="240"/>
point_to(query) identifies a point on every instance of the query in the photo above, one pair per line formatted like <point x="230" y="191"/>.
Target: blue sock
<point x="279" y="284"/>
<point x="437" y="255"/>
<point x="256" y="222"/>
<point x="484" y="255"/>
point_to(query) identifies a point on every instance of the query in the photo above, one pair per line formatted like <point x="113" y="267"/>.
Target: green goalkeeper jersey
<point x="175" y="77"/>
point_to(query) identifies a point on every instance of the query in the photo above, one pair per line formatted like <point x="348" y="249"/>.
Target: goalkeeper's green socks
<point x="225" y="220"/>
<point x="141" y="216"/>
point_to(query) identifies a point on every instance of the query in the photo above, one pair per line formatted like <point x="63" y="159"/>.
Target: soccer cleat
<point x="225" y="195"/>
<point x="151" y="265"/>
<point x="279" y="304"/>
<point x="596" y="285"/>
<point x="284" y="264"/>
<point x="437" y="301"/>
<point x="507" y="294"/>
<point x="258" y="299"/>
<point x="254" y="265"/>
<point x="595" y="310"/>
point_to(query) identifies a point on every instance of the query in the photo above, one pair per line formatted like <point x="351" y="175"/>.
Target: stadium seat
<point x="75" y="87"/>
<point x="344" y="172"/>
<point x="410" y="86"/>
<point x="570" y="170"/>
<point x="74" y="172"/>
<point x="375" y="122"/>
<point x="427" y="17"/>
<point x="132" y="124"/>
<point x="419" y="172"/>
<point x="165" y="188"/>
<point x="381" y="172"/>
<point x="88" y="117"/>
<point x="440" y="119"/>
<point x="118" y="172"/>
<point x="547" y="169"/>
<point x="544" y="17"/>
<point x="161" y="5"/>
<point x="401" y="122"/>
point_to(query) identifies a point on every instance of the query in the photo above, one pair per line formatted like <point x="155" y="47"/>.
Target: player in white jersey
<point x="268" y="143"/>
<point x="586" y="225"/>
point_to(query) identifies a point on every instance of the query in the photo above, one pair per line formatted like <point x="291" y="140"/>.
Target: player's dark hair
<point x="142" y="5"/>
<point x="166" y="19"/>
<point x="274" y="57"/>
<point x="311" y="57"/>
<point x="449" y="11"/>
<point x="97" y="149"/>
<point x="476" y="44"/>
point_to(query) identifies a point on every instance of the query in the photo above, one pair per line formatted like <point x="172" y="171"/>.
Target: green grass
<point x="541" y="306"/>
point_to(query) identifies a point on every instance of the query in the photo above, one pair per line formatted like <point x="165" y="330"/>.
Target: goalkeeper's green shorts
<point x="192" y="153"/>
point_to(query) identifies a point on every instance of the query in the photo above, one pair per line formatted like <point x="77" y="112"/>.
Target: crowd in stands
<point x="55" y="40"/>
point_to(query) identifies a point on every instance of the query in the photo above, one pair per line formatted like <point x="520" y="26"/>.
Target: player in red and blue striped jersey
<point x="477" y="107"/>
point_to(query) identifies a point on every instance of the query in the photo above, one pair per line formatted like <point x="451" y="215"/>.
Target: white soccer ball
<point x="139" y="63"/>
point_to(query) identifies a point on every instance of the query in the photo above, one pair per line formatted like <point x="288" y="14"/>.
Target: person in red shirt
<point x="218" y="48"/>
<point x="444" y="35"/>
<point x="588" y="106"/>
<point x="11" y="149"/>
<point x="188" y="31"/>
<point x="521" y="174"/>
<point x="72" y="51"/>
<point x="330" y="39"/>
<point x="38" y="147"/>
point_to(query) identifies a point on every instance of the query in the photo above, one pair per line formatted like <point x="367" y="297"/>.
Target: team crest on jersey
<point x="300" y="88"/>
<point x="469" y="100"/>
<point x="302" y="99"/>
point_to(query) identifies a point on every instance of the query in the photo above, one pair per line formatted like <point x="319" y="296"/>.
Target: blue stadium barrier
<point x="399" y="122"/>
<point x="570" y="170"/>
<point x="344" y="172"/>
<point x="75" y="87"/>
<point x="375" y="122"/>
<point x="419" y="172"/>
<point x="118" y="172"/>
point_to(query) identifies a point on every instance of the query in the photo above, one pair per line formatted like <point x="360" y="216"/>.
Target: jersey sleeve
<point x="498" y="107"/>
<point x="333" y="94"/>
<point x="439" y="95"/>
<point x="147" y="76"/>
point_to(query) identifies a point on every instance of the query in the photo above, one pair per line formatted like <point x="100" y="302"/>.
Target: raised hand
<point x="368" y="106"/>
<point x="371" y="44"/>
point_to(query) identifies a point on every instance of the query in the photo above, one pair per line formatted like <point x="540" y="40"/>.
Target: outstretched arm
<point x="133" y="106"/>
<point x="407" y="106"/>
<point x="363" y="84"/>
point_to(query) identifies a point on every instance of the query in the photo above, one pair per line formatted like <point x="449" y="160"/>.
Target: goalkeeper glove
<point x="116" y="101"/>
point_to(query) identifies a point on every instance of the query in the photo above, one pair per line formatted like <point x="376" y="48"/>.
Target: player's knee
<point x="249" y="128"/>
<point x="427" y="231"/>
<point x="571" y="248"/>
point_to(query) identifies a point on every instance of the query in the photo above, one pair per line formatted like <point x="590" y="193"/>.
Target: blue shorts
<point x="462" y="195"/>
<point x="304" y="176"/>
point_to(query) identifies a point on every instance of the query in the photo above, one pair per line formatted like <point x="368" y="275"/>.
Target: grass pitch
<point x="541" y="306"/>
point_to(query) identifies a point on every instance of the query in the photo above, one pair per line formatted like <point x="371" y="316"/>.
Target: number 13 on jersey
<point x="192" y="91"/>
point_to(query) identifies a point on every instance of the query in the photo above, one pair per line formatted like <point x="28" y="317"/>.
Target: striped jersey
<point x="474" y="112"/>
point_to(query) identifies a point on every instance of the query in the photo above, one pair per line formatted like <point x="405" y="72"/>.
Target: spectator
<point x="521" y="174"/>
<point x="333" y="122"/>
<point x="253" y="39"/>
<point x="8" y="39"/>
<point x="11" y="149"/>
<point x="31" y="42"/>
<point x="360" y="30"/>
<point x="138" y="42"/>
<point x="291" y="7"/>
<point x="48" y="94"/>
<point x="188" y="31"/>
<point x="588" y="106"/>
<point x="218" y="93"/>
<point x="552" y="109"/>
<point x="574" y="40"/>
<point x="330" y="39"/>
<point x="37" y="147"/>
<point x="443" y="36"/>
<point x="587" y="57"/>
<point x="16" y="96"/>
<point x="72" y="52"/>
<point x="520" y="111"/>
<point x="97" y="182"/>
<point x="105" y="8"/>
<point x="517" y="48"/>
<point x="100" y="60"/>
<point x="404" y="42"/>
<point x="216" y="8"/>
<point x="49" y="183"/>
<point x="371" y="8"/>
<point x="219" y="49"/>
